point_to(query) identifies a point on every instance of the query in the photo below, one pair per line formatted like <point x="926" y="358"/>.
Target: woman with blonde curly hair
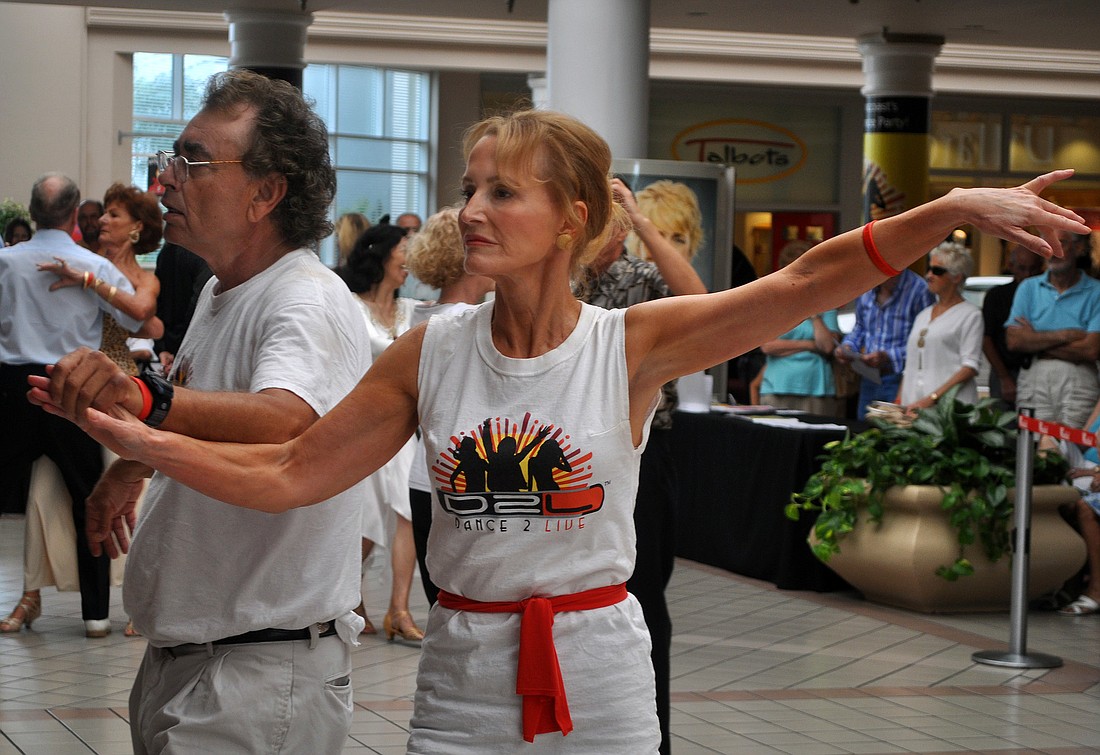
<point x="437" y="257"/>
<point x="674" y="209"/>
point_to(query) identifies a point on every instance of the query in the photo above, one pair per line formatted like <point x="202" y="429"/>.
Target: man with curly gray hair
<point x="256" y="610"/>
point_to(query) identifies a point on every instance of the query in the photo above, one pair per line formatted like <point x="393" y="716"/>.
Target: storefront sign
<point x="760" y="151"/>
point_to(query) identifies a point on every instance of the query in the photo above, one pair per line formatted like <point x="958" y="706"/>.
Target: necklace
<point x="390" y="324"/>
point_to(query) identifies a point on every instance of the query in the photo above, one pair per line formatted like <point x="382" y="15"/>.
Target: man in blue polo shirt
<point x="1055" y="318"/>
<point x="884" y="317"/>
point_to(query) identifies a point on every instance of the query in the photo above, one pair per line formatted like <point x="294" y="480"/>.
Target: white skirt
<point x="466" y="699"/>
<point x="49" y="541"/>
<point x="387" y="494"/>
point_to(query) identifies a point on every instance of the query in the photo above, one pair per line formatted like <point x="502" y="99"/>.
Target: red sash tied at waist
<point x="545" y="708"/>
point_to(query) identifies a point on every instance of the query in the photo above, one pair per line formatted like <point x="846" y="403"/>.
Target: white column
<point x="898" y="65"/>
<point x="540" y="96"/>
<point x="898" y="90"/>
<point x="269" y="42"/>
<point x="597" y="58"/>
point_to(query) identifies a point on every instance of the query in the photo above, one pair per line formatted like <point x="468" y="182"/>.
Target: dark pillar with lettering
<point x="269" y="42"/>
<point x="898" y="72"/>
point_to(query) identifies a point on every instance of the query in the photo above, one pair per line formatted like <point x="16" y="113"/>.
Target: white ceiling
<point x="1070" y="24"/>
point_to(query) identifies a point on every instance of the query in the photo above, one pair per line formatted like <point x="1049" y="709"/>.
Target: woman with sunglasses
<point x="945" y="344"/>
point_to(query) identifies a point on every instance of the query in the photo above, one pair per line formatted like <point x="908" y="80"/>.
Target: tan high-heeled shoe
<point x="31" y="605"/>
<point x="408" y="631"/>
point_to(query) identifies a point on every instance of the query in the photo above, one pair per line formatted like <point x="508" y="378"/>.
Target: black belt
<point x="324" y="629"/>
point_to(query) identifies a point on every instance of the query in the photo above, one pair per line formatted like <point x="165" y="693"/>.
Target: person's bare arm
<point x="958" y="377"/>
<point x="111" y="508"/>
<point x="680" y="335"/>
<point x="676" y="269"/>
<point x="1080" y="350"/>
<point x="89" y="378"/>
<point x="140" y="304"/>
<point x="353" y="440"/>
<point x="784" y="347"/>
<point x="1023" y="337"/>
<point x="823" y="337"/>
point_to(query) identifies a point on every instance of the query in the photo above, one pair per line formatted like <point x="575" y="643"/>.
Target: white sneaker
<point x="97" y="627"/>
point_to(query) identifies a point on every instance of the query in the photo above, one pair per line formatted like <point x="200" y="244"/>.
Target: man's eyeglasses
<point x="937" y="270"/>
<point x="181" y="166"/>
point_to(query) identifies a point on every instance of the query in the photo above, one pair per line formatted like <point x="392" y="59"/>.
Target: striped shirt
<point x="886" y="327"/>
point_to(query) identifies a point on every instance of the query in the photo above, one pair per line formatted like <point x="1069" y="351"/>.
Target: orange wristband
<point x="146" y="398"/>
<point x="873" y="253"/>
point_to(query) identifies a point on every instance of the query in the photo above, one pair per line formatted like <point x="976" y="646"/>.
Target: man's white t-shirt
<point x="201" y="570"/>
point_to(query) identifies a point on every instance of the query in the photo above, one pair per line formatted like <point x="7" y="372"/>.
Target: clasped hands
<point x="87" y="388"/>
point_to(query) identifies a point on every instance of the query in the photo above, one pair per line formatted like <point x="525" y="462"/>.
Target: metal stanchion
<point x="1017" y="655"/>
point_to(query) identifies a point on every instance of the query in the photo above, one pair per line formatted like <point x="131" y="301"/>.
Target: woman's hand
<point x="923" y="403"/>
<point x="1008" y="213"/>
<point x="625" y="197"/>
<point x="67" y="276"/>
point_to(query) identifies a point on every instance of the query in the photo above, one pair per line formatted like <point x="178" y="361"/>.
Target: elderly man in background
<point x="257" y="607"/>
<point x="87" y="220"/>
<point x="884" y="317"/>
<point x="37" y="328"/>
<point x="1004" y="363"/>
<point x="1055" y="319"/>
<point x="410" y="221"/>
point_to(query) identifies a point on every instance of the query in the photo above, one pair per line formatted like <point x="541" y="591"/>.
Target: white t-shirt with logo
<point x="535" y="472"/>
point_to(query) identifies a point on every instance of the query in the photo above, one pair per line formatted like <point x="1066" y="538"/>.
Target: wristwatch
<point x="162" y="392"/>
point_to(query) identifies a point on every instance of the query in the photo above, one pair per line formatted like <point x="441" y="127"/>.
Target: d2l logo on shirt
<point x="508" y="469"/>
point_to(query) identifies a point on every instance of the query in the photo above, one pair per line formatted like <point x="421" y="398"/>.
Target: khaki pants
<point x="267" y="697"/>
<point x="1059" y="391"/>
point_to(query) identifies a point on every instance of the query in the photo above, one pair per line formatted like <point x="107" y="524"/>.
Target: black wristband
<point x="162" y="392"/>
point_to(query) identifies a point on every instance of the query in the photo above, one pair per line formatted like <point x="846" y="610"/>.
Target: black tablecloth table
<point x="735" y="479"/>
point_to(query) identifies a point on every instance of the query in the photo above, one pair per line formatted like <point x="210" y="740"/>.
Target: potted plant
<point x="905" y="510"/>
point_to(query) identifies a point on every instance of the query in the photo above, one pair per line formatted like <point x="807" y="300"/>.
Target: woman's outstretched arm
<point x="680" y="335"/>
<point x="357" y="437"/>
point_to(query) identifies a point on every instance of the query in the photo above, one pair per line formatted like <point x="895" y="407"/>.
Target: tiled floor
<point x="755" y="670"/>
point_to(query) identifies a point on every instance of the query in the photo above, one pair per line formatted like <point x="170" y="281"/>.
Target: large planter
<point x="894" y="562"/>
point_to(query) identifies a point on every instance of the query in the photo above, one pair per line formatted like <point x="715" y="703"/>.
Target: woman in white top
<point x="374" y="272"/>
<point x="945" y="343"/>
<point x="521" y="383"/>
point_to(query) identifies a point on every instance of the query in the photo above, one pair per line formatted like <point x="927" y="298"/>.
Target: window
<point x="167" y="92"/>
<point x="378" y="121"/>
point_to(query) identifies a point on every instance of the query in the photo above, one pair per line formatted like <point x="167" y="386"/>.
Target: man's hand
<point x="83" y="379"/>
<point x="111" y="508"/>
<point x="879" y="360"/>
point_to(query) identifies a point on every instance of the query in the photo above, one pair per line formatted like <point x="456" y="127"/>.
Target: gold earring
<point x="564" y="241"/>
<point x="135" y="235"/>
